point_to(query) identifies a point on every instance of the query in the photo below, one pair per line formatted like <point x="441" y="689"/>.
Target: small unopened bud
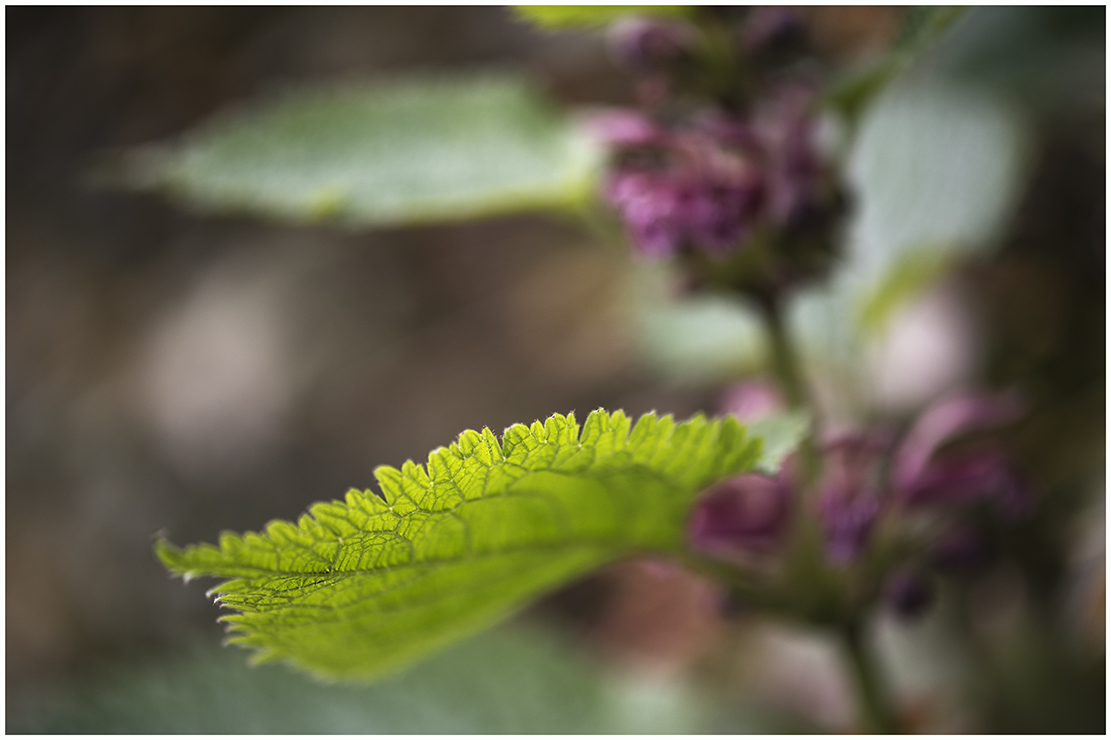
<point x="644" y="45"/>
<point x="745" y="514"/>
<point x="772" y="29"/>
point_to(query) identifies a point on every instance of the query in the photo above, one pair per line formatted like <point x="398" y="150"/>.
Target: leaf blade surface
<point x="359" y="587"/>
<point x="410" y="151"/>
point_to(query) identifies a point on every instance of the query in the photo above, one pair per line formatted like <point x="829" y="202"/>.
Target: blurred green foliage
<point x="504" y="681"/>
<point x="594" y="16"/>
<point x="415" y="150"/>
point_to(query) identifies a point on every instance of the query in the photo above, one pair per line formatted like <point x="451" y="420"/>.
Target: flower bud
<point x="772" y="29"/>
<point x="643" y="44"/>
<point x="665" y="211"/>
<point x="651" y="207"/>
<point x="944" y="421"/>
<point x="745" y="514"/>
<point x="925" y="474"/>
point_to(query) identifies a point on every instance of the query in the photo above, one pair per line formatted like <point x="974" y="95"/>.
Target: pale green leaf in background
<point x="781" y="434"/>
<point x="593" y="16"/>
<point x="698" y="338"/>
<point x="410" y="151"/>
<point x="362" y="586"/>
<point x="934" y="165"/>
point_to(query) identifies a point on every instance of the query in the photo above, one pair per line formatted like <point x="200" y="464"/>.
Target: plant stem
<point x="874" y="710"/>
<point x="784" y="360"/>
<point x="785" y="365"/>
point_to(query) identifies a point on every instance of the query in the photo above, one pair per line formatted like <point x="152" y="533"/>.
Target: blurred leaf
<point x="696" y="338"/>
<point x="923" y="26"/>
<point x="413" y="151"/>
<point x="781" y="433"/>
<point x="511" y="680"/>
<point x="359" y="587"/>
<point x="504" y="681"/>
<point x="593" y="16"/>
<point x="907" y="278"/>
<point x="936" y="171"/>
<point x="934" y="167"/>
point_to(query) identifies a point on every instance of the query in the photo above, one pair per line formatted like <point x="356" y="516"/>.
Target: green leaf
<point x="908" y="277"/>
<point x="781" y="434"/>
<point x="412" y="151"/>
<point x="702" y="338"/>
<point x="923" y="26"/>
<point x="361" y="586"/>
<point x="593" y="16"/>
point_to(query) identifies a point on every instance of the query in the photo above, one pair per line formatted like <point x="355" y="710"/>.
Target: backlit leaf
<point x="360" y="586"/>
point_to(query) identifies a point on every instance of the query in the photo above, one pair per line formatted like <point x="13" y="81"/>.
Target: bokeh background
<point x="169" y="370"/>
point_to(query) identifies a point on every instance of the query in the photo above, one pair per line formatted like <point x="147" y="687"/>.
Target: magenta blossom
<point x="794" y="169"/>
<point x="665" y="211"/>
<point x="768" y="28"/>
<point x="743" y="515"/>
<point x="927" y="472"/>
<point x="646" y="44"/>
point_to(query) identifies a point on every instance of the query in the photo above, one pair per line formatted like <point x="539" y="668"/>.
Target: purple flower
<point x="720" y="211"/>
<point x="794" y="169"/>
<point x="706" y="184"/>
<point x="650" y="205"/>
<point x="769" y="28"/>
<point x="665" y="211"/>
<point x="745" y="514"/>
<point x="644" y="44"/>
<point x="925" y="473"/>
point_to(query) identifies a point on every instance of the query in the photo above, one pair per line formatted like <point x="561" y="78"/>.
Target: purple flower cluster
<point x="644" y="45"/>
<point x="865" y="475"/>
<point x="707" y="184"/>
<point x="664" y="212"/>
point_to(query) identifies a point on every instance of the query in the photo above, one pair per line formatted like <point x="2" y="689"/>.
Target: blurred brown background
<point x="169" y="370"/>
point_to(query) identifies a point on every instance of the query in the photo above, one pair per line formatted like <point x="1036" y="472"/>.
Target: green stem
<point x="784" y="360"/>
<point x="785" y="365"/>
<point x="875" y="713"/>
